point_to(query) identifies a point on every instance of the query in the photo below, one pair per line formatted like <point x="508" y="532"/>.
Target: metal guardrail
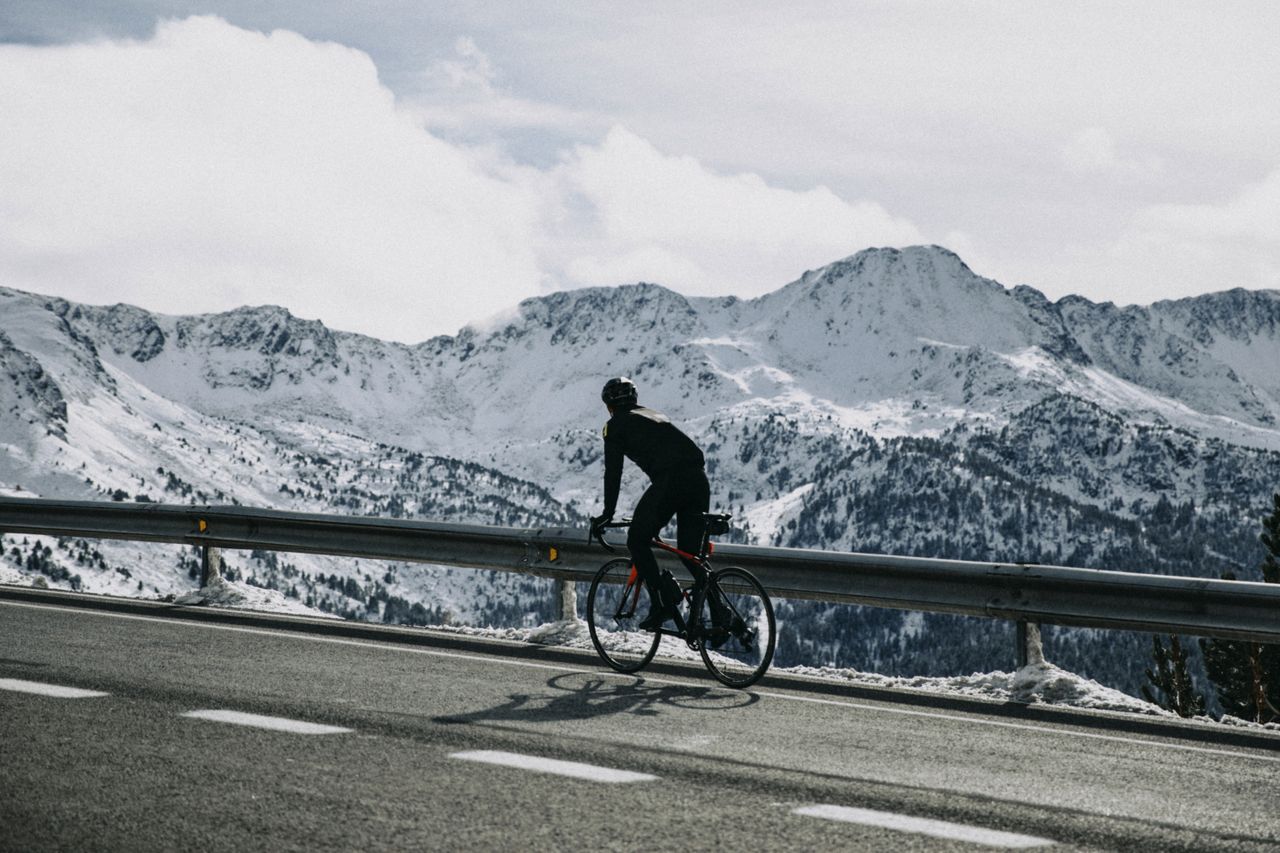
<point x="1024" y="593"/>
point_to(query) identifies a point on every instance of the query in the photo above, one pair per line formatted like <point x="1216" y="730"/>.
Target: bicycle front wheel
<point x="616" y="604"/>
<point x="738" y="627"/>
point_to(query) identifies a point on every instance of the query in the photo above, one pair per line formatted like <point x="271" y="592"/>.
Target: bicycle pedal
<point x="718" y="638"/>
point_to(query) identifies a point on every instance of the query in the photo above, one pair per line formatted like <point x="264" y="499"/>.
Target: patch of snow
<point x="899" y="417"/>
<point x="1236" y="722"/>
<point x="1119" y="395"/>
<point x="12" y="577"/>
<point x="912" y="625"/>
<point x="768" y="515"/>
<point x="1033" y="362"/>
<point x="1037" y="683"/>
<point x="571" y="634"/>
<point x="744" y="344"/>
<point x="1112" y="392"/>
<point x="931" y="342"/>
<point x="223" y="593"/>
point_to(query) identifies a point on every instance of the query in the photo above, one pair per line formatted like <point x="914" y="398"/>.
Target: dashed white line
<point x="56" y="690"/>
<point x="538" y="764"/>
<point x="279" y="724"/>
<point x="925" y="826"/>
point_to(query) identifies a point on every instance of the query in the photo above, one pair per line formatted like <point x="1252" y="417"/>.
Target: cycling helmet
<point x="619" y="391"/>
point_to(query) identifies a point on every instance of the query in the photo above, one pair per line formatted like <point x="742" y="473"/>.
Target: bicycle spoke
<point x="615" y="605"/>
<point x="741" y="632"/>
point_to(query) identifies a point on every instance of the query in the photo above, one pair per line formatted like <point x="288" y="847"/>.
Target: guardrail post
<point x="567" y="601"/>
<point x="210" y="565"/>
<point x="1030" y="644"/>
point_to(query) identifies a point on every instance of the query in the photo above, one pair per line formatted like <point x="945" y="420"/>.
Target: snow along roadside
<point x="1044" y="683"/>
<point x="1041" y="683"/>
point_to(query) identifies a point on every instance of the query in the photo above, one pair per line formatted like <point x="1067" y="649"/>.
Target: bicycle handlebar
<point x="591" y="534"/>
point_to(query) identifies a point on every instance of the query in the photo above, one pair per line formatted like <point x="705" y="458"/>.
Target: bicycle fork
<point x="630" y="597"/>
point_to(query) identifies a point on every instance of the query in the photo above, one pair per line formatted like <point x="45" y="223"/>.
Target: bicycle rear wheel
<point x="616" y="604"/>
<point x="740" y="631"/>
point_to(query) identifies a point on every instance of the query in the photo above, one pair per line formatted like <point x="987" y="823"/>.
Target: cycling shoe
<point x="657" y="616"/>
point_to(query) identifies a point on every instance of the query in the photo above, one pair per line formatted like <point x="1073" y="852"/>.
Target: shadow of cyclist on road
<point x="581" y="696"/>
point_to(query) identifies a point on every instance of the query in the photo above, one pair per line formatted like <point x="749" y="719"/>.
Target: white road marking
<point x="278" y="724"/>
<point x="386" y="646"/>
<point x="57" y="690"/>
<point x="574" y="769"/>
<point x="924" y="826"/>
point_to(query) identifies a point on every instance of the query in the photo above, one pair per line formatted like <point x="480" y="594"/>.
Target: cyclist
<point x="679" y="487"/>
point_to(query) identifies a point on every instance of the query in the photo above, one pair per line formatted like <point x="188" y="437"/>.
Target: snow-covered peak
<point x="1239" y="328"/>
<point x="1237" y="314"/>
<point x="39" y="327"/>
<point x="268" y="330"/>
<point x="1171" y="351"/>
<point x="891" y="341"/>
<point x="580" y="318"/>
<point x="889" y="299"/>
<point x="126" y="329"/>
<point x="914" y="273"/>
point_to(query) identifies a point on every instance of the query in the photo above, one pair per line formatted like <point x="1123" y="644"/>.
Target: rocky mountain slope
<point x="893" y="401"/>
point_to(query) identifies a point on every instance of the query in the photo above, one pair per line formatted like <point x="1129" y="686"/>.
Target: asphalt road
<point x="449" y="745"/>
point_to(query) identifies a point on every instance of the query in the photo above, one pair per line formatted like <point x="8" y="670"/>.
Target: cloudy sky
<point x="402" y="168"/>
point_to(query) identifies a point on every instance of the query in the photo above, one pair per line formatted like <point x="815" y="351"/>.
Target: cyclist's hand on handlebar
<point x="598" y="524"/>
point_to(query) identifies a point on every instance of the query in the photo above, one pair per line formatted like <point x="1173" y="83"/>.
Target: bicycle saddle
<point x="717" y="523"/>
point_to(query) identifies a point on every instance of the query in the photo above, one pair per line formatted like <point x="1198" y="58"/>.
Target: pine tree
<point x="1247" y="675"/>
<point x="1270" y="538"/>
<point x="1172" y="681"/>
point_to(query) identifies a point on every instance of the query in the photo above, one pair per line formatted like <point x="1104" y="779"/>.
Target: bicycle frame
<point x="631" y="595"/>
<point x="682" y="630"/>
<point x="700" y="559"/>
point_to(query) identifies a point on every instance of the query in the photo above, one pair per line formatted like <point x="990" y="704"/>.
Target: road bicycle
<point x="727" y="618"/>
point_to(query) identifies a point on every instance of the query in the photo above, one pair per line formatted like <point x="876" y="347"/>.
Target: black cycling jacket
<point x="650" y="440"/>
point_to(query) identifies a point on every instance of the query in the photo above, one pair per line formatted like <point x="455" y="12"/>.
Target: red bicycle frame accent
<point x="658" y="543"/>
<point x="702" y="561"/>
<point x="633" y="584"/>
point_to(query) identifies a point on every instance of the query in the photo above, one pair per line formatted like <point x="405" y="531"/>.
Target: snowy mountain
<point x="893" y="401"/>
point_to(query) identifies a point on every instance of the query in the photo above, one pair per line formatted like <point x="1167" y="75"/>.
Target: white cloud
<point x="470" y="69"/>
<point x="1090" y="150"/>
<point x="1253" y="214"/>
<point x="1093" y="151"/>
<point x="1171" y="251"/>
<point x="710" y="233"/>
<point x="210" y="166"/>
<point x="462" y="94"/>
